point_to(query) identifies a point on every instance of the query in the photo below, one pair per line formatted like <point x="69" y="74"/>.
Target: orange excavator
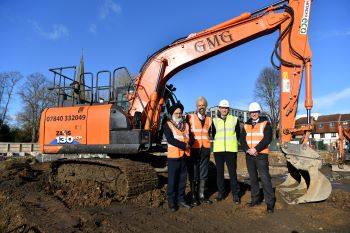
<point x="343" y="134"/>
<point x="103" y="116"/>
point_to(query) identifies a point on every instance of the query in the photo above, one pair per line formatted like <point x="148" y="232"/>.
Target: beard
<point x="202" y="111"/>
<point x="177" y="119"/>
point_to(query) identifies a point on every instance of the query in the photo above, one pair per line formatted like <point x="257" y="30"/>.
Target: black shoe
<point x="184" y="205"/>
<point x="173" y="208"/>
<point x="219" y="198"/>
<point x="194" y="201"/>
<point x="237" y="201"/>
<point x="253" y="203"/>
<point x="205" y="200"/>
<point x="269" y="210"/>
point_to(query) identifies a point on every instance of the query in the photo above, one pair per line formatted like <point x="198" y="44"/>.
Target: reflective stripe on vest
<point x="255" y="135"/>
<point x="173" y="151"/>
<point x="225" y="137"/>
<point x="200" y="133"/>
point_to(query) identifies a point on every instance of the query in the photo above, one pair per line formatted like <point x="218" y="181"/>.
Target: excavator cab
<point x="91" y="114"/>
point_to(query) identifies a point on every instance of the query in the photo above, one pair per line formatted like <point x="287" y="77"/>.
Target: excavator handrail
<point x="101" y="88"/>
<point x="113" y="80"/>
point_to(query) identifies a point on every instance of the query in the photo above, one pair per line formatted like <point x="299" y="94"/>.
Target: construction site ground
<point x="29" y="204"/>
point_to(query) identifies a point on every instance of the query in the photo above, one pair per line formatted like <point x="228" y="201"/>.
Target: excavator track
<point x="119" y="179"/>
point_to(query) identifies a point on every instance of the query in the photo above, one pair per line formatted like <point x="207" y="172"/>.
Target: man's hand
<point x="252" y="151"/>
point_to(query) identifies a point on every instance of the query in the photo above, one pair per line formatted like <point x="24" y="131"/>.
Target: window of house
<point x="322" y="135"/>
<point x="333" y="135"/>
<point x="345" y="123"/>
<point x="320" y="125"/>
<point x="332" y="124"/>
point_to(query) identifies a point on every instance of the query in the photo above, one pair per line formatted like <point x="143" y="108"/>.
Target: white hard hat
<point x="254" y="107"/>
<point x="224" y="103"/>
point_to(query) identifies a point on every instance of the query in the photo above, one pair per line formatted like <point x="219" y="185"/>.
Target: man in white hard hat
<point x="226" y="132"/>
<point x="255" y="139"/>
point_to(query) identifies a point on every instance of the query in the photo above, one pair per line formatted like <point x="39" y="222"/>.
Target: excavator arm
<point x="293" y="54"/>
<point x="343" y="134"/>
<point x="342" y="165"/>
<point x="292" y="49"/>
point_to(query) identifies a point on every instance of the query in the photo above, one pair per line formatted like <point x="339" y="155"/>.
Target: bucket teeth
<point x="304" y="183"/>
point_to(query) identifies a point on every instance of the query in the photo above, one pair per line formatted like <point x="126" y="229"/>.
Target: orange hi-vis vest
<point x="173" y="151"/>
<point x="255" y="135"/>
<point x="200" y="133"/>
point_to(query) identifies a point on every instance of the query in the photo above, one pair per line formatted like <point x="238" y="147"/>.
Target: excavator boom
<point x="292" y="50"/>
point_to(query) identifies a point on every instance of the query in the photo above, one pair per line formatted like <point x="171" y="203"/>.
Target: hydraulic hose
<point x="285" y="32"/>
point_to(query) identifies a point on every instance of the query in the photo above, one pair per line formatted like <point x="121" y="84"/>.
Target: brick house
<point x="326" y="128"/>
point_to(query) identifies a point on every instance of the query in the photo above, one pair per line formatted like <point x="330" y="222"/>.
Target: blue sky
<point x="39" y="34"/>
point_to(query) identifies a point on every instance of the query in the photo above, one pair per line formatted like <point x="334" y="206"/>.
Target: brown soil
<point x="29" y="204"/>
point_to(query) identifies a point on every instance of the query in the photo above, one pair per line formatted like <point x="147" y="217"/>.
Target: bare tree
<point x="8" y="81"/>
<point x="2" y="85"/>
<point x="267" y="89"/>
<point x="36" y="98"/>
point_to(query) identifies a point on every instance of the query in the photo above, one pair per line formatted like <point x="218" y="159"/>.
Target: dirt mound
<point x="154" y="198"/>
<point x="339" y="199"/>
<point x="87" y="193"/>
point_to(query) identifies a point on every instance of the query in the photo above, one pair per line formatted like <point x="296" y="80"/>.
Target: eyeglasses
<point x="223" y="107"/>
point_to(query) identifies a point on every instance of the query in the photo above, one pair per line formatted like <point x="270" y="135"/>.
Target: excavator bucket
<point x="305" y="183"/>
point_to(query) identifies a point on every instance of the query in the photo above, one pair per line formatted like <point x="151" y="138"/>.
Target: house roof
<point x="326" y="123"/>
<point x="345" y="117"/>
